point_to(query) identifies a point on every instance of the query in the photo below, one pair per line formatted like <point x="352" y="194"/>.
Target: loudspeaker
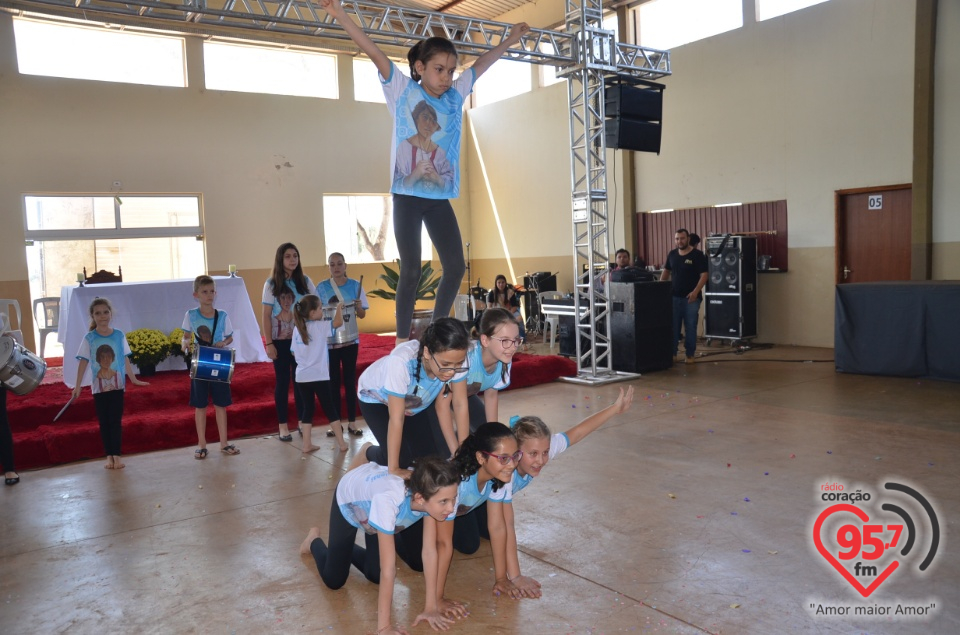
<point x="630" y="134"/>
<point x="730" y="316"/>
<point x="541" y="280"/>
<point x="634" y="115"/>
<point x="731" y="264"/>
<point x="640" y="326"/>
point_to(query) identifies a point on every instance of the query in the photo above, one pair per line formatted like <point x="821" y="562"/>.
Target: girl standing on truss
<point x="422" y="139"/>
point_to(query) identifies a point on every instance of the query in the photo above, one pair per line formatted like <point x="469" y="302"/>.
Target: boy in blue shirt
<point x="210" y="327"/>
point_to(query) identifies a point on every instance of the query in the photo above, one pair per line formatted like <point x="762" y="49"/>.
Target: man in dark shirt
<point x="687" y="268"/>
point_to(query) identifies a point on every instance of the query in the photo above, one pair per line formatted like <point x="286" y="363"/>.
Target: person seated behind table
<point x="505" y="296"/>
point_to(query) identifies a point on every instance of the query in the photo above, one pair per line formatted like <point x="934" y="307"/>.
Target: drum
<point x="212" y="364"/>
<point x="20" y="370"/>
<point x="350" y="331"/>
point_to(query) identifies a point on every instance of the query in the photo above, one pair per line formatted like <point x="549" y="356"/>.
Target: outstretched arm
<point x="486" y="60"/>
<point x="361" y="39"/>
<point x="594" y="421"/>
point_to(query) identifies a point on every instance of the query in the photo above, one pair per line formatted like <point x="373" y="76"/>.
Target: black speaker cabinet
<point x="729" y="316"/>
<point x="634" y="115"/>
<point x="731" y="294"/>
<point x="640" y="323"/>
<point x="540" y="281"/>
<point x="632" y="134"/>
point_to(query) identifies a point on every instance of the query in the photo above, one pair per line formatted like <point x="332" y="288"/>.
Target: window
<point x="99" y="53"/>
<point x="504" y="79"/>
<point x="767" y="9"/>
<point x="274" y="71"/>
<point x="366" y="81"/>
<point x="361" y="228"/>
<point x="665" y="24"/>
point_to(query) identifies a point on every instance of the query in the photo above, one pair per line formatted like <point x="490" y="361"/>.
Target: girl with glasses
<point x="396" y="390"/>
<point x="383" y="506"/>
<point x="537" y="446"/>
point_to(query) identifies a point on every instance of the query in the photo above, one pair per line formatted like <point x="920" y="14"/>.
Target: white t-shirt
<point x="372" y="499"/>
<point x="313" y="360"/>
<point x="396" y="374"/>
<point x="271" y="300"/>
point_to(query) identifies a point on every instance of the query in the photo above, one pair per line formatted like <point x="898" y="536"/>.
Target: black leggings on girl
<point x="6" y="437"/>
<point x="346" y="357"/>
<point x="322" y="391"/>
<point x="109" y="407"/>
<point x="285" y="368"/>
<point x="334" y="559"/>
<point x="409" y="214"/>
<point x="419" y="438"/>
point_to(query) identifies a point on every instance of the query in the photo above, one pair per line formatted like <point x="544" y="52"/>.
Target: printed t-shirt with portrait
<point x="351" y="291"/>
<point x="396" y="375"/>
<point x="437" y="139"/>
<point x="469" y="496"/>
<point x="271" y="300"/>
<point x="313" y="360"/>
<point x="558" y="443"/>
<point x="202" y="327"/>
<point x="478" y="379"/>
<point x="92" y="350"/>
<point x="372" y="499"/>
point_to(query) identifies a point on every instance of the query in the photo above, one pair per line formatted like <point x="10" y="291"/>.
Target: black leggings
<point x="478" y="416"/>
<point x="346" y="357"/>
<point x="322" y="391"/>
<point x="334" y="560"/>
<point x="409" y="213"/>
<point x="285" y="368"/>
<point x="421" y="436"/>
<point x="6" y="437"/>
<point x="109" y="407"/>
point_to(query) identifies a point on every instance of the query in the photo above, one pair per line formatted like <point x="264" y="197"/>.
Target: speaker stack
<point x="731" y="294"/>
<point x="640" y="323"/>
<point x="534" y="284"/>
<point x="634" y="114"/>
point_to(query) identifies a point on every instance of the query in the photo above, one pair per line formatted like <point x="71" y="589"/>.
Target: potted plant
<point x="176" y="336"/>
<point x="148" y="347"/>
<point x="426" y="290"/>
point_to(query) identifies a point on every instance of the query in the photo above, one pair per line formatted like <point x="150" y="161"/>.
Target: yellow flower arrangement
<point x="176" y="337"/>
<point x="149" y="347"/>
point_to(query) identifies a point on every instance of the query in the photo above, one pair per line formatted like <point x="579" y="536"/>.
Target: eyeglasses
<point x="506" y="458"/>
<point x="443" y="369"/>
<point x="508" y="343"/>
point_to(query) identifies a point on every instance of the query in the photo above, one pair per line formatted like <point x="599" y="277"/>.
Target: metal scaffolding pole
<point x="584" y="53"/>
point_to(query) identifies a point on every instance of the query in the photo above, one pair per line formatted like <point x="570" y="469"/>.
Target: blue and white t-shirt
<point x="426" y="132"/>
<point x="107" y="356"/>
<point x="372" y="499"/>
<point x="478" y="379"/>
<point x="396" y="374"/>
<point x="559" y="442"/>
<point x="202" y="327"/>
<point x="351" y="291"/>
<point x="271" y="300"/>
<point x="469" y="496"/>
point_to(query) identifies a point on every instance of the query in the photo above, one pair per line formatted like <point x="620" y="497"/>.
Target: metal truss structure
<point x="584" y="53"/>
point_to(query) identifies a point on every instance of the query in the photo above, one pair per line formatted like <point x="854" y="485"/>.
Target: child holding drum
<point x="107" y="352"/>
<point x="345" y="341"/>
<point x="212" y="328"/>
<point x="313" y="366"/>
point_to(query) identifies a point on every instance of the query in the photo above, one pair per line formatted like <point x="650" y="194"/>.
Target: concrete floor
<point x="643" y="527"/>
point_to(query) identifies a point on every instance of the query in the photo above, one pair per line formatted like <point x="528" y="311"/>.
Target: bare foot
<point x="310" y="448"/>
<point x="118" y="464"/>
<point x="109" y="465"/>
<point x="312" y="535"/>
<point x="360" y="457"/>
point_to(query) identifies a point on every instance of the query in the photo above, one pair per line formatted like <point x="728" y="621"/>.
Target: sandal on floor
<point x="230" y="449"/>
<point x="12" y="481"/>
<point x="330" y="433"/>
<point x="286" y="438"/>
<point x="200" y="454"/>
<point x="354" y="431"/>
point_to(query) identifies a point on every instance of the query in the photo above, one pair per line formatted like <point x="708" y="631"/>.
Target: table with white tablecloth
<point x="157" y="305"/>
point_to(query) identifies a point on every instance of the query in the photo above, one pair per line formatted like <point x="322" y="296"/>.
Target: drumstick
<point x="64" y="409"/>
<point x="361" y="288"/>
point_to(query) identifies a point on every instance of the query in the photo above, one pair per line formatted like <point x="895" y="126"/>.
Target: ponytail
<point x="486" y="439"/>
<point x="301" y="313"/>
<point x="425" y="50"/>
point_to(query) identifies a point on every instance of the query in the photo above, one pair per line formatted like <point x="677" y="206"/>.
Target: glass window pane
<point x="767" y="9"/>
<point x="366" y="82"/>
<point x="504" y="79"/>
<point x="361" y="228"/>
<point x="149" y="258"/>
<point x="167" y="211"/>
<point x="665" y="24"/>
<point x="69" y="212"/>
<point x="83" y="52"/>
<point x="261" y="69"/>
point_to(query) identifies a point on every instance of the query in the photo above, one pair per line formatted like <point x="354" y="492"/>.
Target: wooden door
<point x="873" y="234"/>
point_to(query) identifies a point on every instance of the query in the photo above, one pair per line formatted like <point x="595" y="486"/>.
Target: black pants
<point x="478" y="416"/>
<point x="285" y="368"/>
<point x="419" y="435"/>
<point x="345" y="357"/>
<point x="320" y="389"/>
<point x="109" y="407"/>
<point x="469" y="529"/>
<point x="6" y="437"/>
<point x="334" y="559"/>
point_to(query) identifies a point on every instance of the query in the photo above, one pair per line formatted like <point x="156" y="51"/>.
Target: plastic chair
<point x="5" y="324"/>
<point x="551" y="321"/>
<point x="48" y="318"/>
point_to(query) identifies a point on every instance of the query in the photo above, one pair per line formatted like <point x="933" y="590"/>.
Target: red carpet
<point x="157" y="417"/>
